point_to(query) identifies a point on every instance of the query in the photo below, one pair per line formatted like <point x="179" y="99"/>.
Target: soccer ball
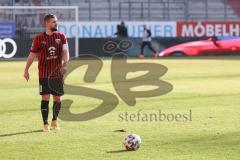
<point x="132" y="142"/>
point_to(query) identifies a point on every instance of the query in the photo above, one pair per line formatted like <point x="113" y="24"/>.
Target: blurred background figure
<point x="122" y="31"/>
<point x="146" y="41"/>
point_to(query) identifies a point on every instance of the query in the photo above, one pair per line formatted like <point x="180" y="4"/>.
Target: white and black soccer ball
<point x="132" y="142"/>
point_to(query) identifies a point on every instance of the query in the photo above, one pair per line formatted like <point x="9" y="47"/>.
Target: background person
<point x="146" y="41"/>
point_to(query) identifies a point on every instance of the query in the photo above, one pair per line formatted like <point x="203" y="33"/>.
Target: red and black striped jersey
<point x="49" y="50"/>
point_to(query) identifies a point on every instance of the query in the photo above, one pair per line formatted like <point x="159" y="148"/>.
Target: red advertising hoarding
<point x="208" y="29"/>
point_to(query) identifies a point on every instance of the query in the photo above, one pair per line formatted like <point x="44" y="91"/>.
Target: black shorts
<point x="52" y="86"/>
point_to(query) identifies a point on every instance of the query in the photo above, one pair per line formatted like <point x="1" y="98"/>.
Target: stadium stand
<point x="235" y="4"/>
<point x="160" y="10"/>
<point x="127" y="10"/>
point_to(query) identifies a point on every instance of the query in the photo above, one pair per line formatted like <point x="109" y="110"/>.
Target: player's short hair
<point x="49" y="16"/>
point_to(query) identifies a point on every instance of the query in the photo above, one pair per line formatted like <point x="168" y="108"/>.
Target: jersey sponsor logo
<point x="52" y="50"/>
<point x="3" y="48"/>
<point x="52" y="53"/>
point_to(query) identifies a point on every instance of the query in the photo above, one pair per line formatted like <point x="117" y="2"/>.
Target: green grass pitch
<point x="210" y="88"/>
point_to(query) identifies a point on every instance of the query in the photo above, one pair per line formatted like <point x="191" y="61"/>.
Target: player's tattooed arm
<point x="64" y="68"/>
<point x="30" y="60"/>
<point x="65" y="59"/>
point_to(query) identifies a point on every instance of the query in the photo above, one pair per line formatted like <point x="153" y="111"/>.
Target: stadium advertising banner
<point x="159" y="29"/>
<point x="93" y="36"/>
<point x="7" y="29"/>
<point x="108" y="29"/>
<point x="208" y="29"/>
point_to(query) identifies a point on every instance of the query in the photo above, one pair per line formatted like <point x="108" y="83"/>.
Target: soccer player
<point x="146" y="41"/>
<point x="51" y="47"/>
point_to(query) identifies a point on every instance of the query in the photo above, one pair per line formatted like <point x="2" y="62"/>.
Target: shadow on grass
<point x="19" y="133"/>
<point x="117" y="151"/>
<point x="18" y="110"/>
<point x="120" y="130"/>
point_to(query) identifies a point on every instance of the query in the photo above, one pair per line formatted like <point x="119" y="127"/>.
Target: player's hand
<point x="63" y="70"/>
<point x="26" y="75"/>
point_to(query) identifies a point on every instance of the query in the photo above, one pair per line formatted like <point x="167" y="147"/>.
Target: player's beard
<point x="54" y="29"/>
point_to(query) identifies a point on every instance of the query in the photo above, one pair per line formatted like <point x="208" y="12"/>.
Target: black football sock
<point x="44" y="110"/>
<point x="56" y="110"/>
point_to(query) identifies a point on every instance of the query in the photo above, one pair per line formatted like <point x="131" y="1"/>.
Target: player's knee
<point x="57" y="98"/>
<point x="45" y="97"/>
